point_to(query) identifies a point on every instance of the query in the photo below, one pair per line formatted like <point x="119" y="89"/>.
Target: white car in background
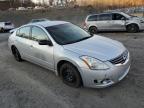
<point x="39" y="8"/>
<point x="6" y="26"/>
<point x="21" y="9"/>
<point x="32" y="21"/>
<point x="38" y="20"/>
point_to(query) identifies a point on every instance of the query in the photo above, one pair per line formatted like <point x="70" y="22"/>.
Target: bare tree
<point x="51" y="2"/>
<point x="12" y="3"/>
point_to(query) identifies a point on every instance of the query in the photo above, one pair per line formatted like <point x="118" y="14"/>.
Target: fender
<point x="132" y="22"/>
<point x="71" y="57"/>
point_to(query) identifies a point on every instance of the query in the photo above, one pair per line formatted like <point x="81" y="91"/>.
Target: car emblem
<point x="124" y="56"/>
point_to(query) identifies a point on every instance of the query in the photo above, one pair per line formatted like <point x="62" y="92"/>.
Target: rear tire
<point x="70" y="75"/>
<point x="16" y="54"/>
<point x="2" y="30"/>
<point x="93" y="30"/>
<point x="132" y="28"/>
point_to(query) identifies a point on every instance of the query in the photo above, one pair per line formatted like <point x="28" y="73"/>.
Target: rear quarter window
<point x="23" y="32"/>
<point x="92" y="18"/>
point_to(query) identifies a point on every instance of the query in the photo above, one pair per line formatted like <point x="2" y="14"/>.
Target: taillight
<point x="84" y="24"/>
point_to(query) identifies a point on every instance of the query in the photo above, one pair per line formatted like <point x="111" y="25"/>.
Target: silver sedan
<point x="74" y="55"/>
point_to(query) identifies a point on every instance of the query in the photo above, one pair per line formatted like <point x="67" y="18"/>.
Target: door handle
<point x="16" y="40"/>
<point x="31" y="46"/>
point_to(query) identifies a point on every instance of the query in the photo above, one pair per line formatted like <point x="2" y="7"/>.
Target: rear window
<point x="92" y="18"/>
<point x="8" y="23"/>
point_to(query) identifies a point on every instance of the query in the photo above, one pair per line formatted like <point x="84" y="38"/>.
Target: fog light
<point x="105" y="81"/>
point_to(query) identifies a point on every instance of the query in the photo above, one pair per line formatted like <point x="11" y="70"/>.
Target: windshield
<point x="126" y="15"/>
<point x="67" y="33"/>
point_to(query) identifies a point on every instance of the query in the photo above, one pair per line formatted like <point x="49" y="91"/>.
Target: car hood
<point x="137" y="18"/>
<point x="98" y="47"/>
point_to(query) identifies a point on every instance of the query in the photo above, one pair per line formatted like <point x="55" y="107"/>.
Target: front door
<point x="118" y="22"/>
<point x="42" y="54"/>
<point x="104" y="21"/>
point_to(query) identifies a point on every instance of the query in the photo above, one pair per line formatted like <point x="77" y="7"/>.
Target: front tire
<point x="70" y="75"/>
<point x="132" y="28"/>
<point x="16" y="54"/>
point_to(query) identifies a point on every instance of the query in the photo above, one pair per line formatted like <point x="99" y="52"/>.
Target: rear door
<point x="104" y="21"/>
<point x="23" y="41"/>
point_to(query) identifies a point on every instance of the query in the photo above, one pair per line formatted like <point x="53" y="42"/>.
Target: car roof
<point x="39" y="19"/>
<point x="105" y="13"/>
<point x="47" y="23"/>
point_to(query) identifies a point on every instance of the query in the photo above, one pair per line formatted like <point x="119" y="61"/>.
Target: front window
<point x="67" y="33"/>
<point x="118" y="17"/>
<point x="38" y="34"/>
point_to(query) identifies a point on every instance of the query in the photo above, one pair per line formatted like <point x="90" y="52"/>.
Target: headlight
<point x="94" y="64"/>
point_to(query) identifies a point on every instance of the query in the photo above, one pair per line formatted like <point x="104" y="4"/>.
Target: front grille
<point x="120" y="59"/>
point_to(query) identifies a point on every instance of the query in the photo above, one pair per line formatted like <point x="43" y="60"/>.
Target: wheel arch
<point x="92" y="26"/>
<point x="61" y="62"/>
<point x="133" y="23"/>
<point x="12" y="47"/>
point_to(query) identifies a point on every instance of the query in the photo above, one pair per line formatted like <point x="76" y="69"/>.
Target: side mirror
<point x="123" y="18"/>
<point x="45" y="42"/>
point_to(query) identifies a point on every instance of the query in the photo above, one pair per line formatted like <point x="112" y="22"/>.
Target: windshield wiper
<point x="84" y="38"/>
<point x="78" y="40"/>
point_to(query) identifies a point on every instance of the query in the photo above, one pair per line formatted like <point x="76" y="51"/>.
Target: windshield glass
<point x="126" y="15"/>
<point x="67" y="33"/>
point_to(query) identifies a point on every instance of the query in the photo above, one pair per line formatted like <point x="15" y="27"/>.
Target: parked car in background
<point x="6" y="26"/>
<point x="39" y="8"/>
<point x="32" y="21"/>
<point x="76" y="56"/>
<point x="113" y="21"/>
<point x="21" y="9"/>
<point x="11" y="9"/>
<point x="38" y="20"/>
<point x="30" y="8"/>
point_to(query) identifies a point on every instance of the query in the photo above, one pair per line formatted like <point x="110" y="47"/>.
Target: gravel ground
<point x="25" y="85"/>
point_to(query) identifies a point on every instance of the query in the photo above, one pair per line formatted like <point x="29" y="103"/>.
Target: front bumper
<point x="141" y="26"/>
<point x="105" y="78"/>
<point x="9" y="27"/>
